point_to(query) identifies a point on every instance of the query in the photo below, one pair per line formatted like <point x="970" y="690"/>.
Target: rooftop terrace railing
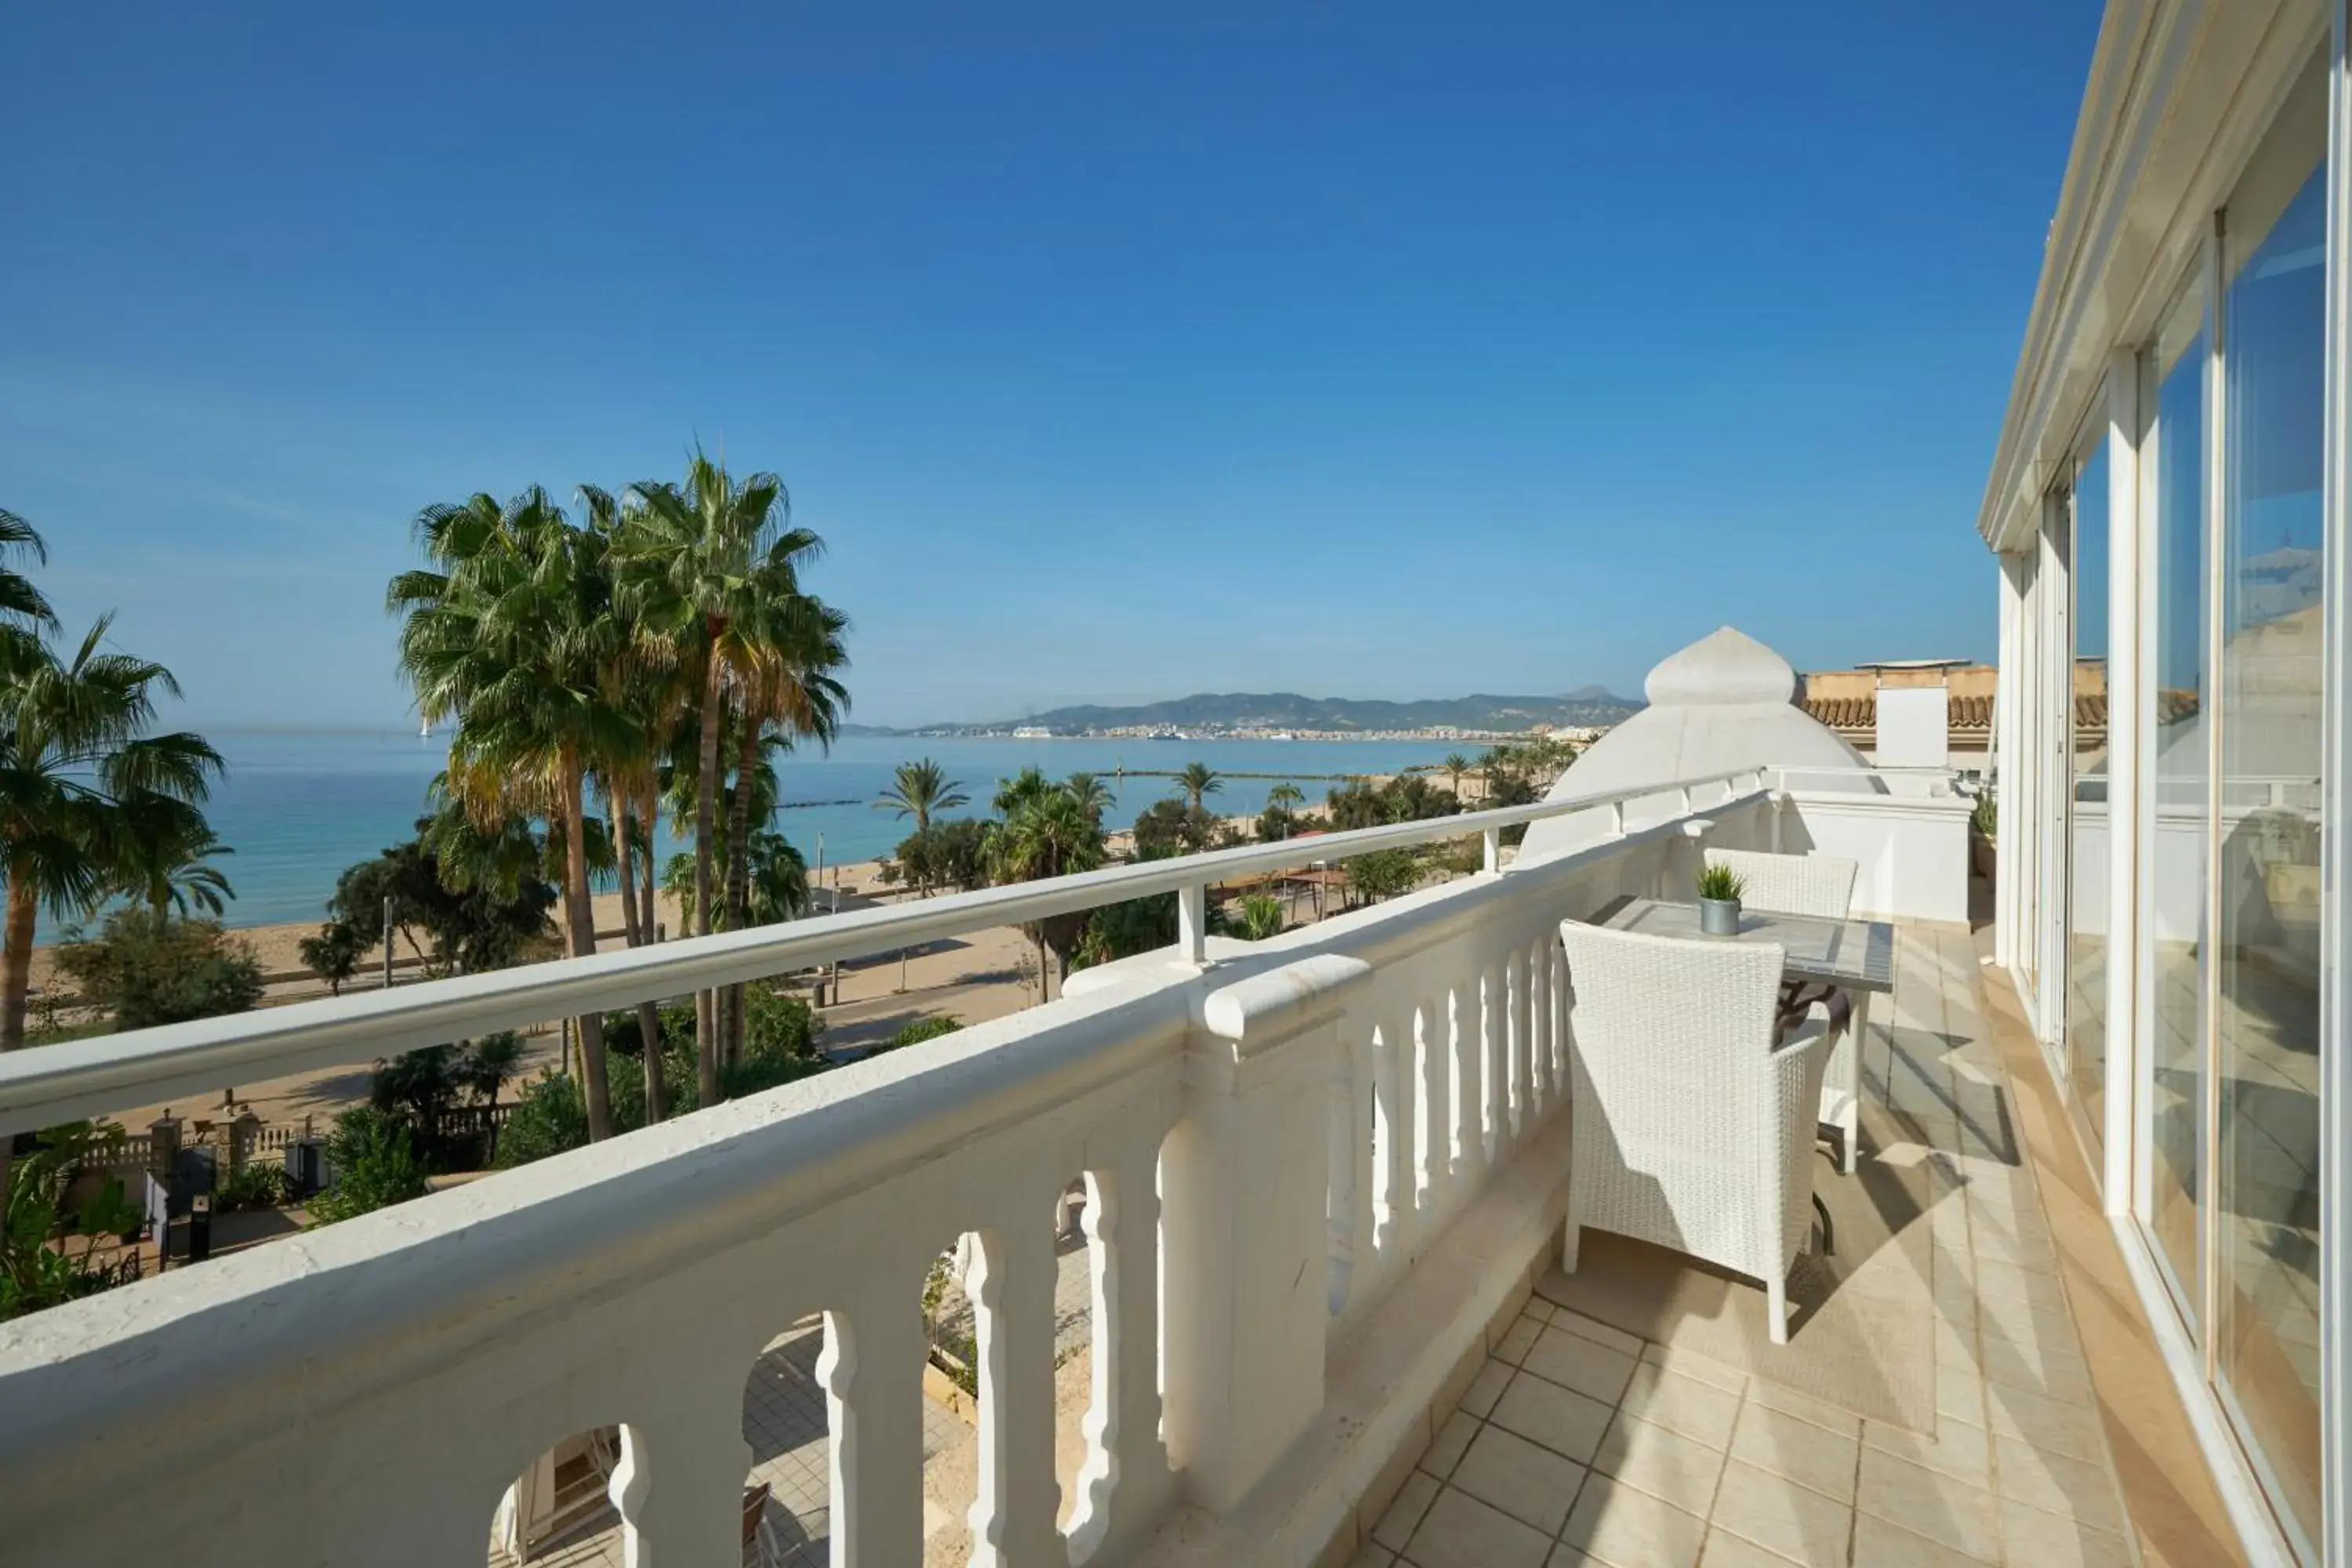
<point x="1266" y="1146"/>
<point x="92" y="1076"/>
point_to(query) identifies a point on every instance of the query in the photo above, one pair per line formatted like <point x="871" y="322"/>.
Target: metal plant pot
<point x="1718" y="916"/>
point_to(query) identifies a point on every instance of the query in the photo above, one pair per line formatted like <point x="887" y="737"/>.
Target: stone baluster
<point x="1012" y="1291"/>
<point x="1494" y="1031"/>
<point x="679" y="1485"/>
<point x="1465" y="1043"/>
<point x="1396" y="1080"/>
<point x="1246" y="1225"/>
<point x="1364" y="1051"/>
<point x="1435" y="1153"/>
<point x="871" y="1373"/>
<point x="1124" y="1480"/>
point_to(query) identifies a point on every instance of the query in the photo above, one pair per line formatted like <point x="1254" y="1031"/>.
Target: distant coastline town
<point x="1582" y="734"/>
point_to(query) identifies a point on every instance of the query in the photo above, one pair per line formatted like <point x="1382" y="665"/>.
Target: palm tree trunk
<point x="706" y="788"/>
<point x="640" y="932"/>
<point x="582" y="920"/>
<point x="625" y="855"/>
<point x="646" y="905"/>
<point x="739" y="868"/>
<point x="16" y="962"/>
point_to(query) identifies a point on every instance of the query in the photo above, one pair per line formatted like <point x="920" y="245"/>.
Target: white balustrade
<point x="1266" y="1142"/>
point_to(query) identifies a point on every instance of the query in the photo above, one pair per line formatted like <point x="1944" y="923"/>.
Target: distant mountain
<point x="1289" y="711"/>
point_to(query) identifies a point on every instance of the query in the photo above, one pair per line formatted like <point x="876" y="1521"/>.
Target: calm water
<point x="300" y="806"/>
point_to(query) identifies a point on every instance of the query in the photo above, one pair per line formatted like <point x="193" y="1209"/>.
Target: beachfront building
<point x="2167" y="504"/>
<point x="1320" y="1180"/>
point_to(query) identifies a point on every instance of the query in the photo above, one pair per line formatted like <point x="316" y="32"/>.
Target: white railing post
<point x="1012" y="1291"/>
<point x="871" y="1370"/>
<point x="1243" y="1228"/>
<point x="1492" y="843"/>
<point x="1686" y="800"/>
<point x="1124" y="1482"/>
<point x="680" y="1488"/>
<point x="1617" y="819"/>
<point x="1193" y="923"/>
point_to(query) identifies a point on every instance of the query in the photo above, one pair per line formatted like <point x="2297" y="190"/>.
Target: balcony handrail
<point x="77" y="1079"/>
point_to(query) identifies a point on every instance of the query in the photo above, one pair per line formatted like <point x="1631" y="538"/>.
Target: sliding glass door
<point x="2232" y="706"/>
<point x="2264" y="1245"/>
<point x="2087" y="827"/>
<point x="2175" y="715"/>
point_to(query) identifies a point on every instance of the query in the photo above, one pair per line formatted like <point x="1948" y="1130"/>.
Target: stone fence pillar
<point x="1247" y="1242"/>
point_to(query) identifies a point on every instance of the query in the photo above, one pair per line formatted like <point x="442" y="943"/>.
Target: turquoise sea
<point x="298" y="806"/>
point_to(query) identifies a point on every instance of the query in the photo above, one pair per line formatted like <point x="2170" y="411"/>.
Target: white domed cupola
<point x="1724" y="703"/>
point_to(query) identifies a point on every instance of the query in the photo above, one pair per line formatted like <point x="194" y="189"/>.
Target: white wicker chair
<point x="1808" y="885"/>
<point x="1692" y="1129"/>
<point x="1793" y="884"/>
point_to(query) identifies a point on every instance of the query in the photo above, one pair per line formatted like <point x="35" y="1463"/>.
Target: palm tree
<point x="1454" y="767"/>
<point x="73" y="751"/>
<point x="1198" y="780"/>
<point x="1285" y="797"/>
<point x="166" y="845"/>
<point x="511" y="636"/>
<point x="917" y="789"/>
<point x="1048" y="833"/>
<point x="1023" y="789"/>
<point x="701" y="554"/>
<point x="25" y="613"/>
<point x="1091" y="792"/>
<point x="791" y="684"/>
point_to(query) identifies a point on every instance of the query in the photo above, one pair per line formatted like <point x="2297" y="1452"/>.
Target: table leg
<point x="1845" y="1070"/>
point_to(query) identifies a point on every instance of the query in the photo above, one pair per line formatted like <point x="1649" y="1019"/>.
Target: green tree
<point x="334" y="955"/>
<point x="1197" y="782"/>
<point x="920" y="790"/>
<point x="147" y="969"/>
<point x="511" y="632"/>
<point x="946" y="855"/>
<point x="453" y="921"/>
<point x="74" y="749"/>
<point x="1090" y="791"/>
<point x="1383" y="873"/>
<point x="1455" y="766"/>
<point x="1048" y="833"/>
<point x="1168" y="827"/>
<point x="777" y="884"/>
<point x="702" y="555"/>
<point x="792" y="684"/>
<point x="166" y="848"/>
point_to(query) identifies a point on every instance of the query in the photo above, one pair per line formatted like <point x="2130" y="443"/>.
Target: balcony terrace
<point x="1311" y="1313"/>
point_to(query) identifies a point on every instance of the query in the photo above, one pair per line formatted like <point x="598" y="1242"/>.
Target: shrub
<point x="548" y="1118"/>
<point x="147" y="969"/>
<point x="916" y="1032"/>
<point x="255" y="1186"/>
<point x="375" y="1166"/>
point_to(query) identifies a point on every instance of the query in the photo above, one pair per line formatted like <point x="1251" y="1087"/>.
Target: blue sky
<point x="1374" y="350"/>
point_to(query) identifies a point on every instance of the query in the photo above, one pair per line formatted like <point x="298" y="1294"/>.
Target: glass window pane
<point x="2266" y="1259"/>
<point x="2173" y="455"/>
<point x="2086" y="857"/>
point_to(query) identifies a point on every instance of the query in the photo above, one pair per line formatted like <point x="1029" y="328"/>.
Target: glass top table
<point x="1855" y="956"/>
<point x="1852" y="955"/>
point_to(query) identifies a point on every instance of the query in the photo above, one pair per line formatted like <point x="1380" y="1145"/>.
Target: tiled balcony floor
<point x="1579" y="1443"/>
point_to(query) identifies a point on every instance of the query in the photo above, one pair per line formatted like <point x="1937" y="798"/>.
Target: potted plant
<point x="1719" y="888"/>
<point x="1984" y="825"/>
